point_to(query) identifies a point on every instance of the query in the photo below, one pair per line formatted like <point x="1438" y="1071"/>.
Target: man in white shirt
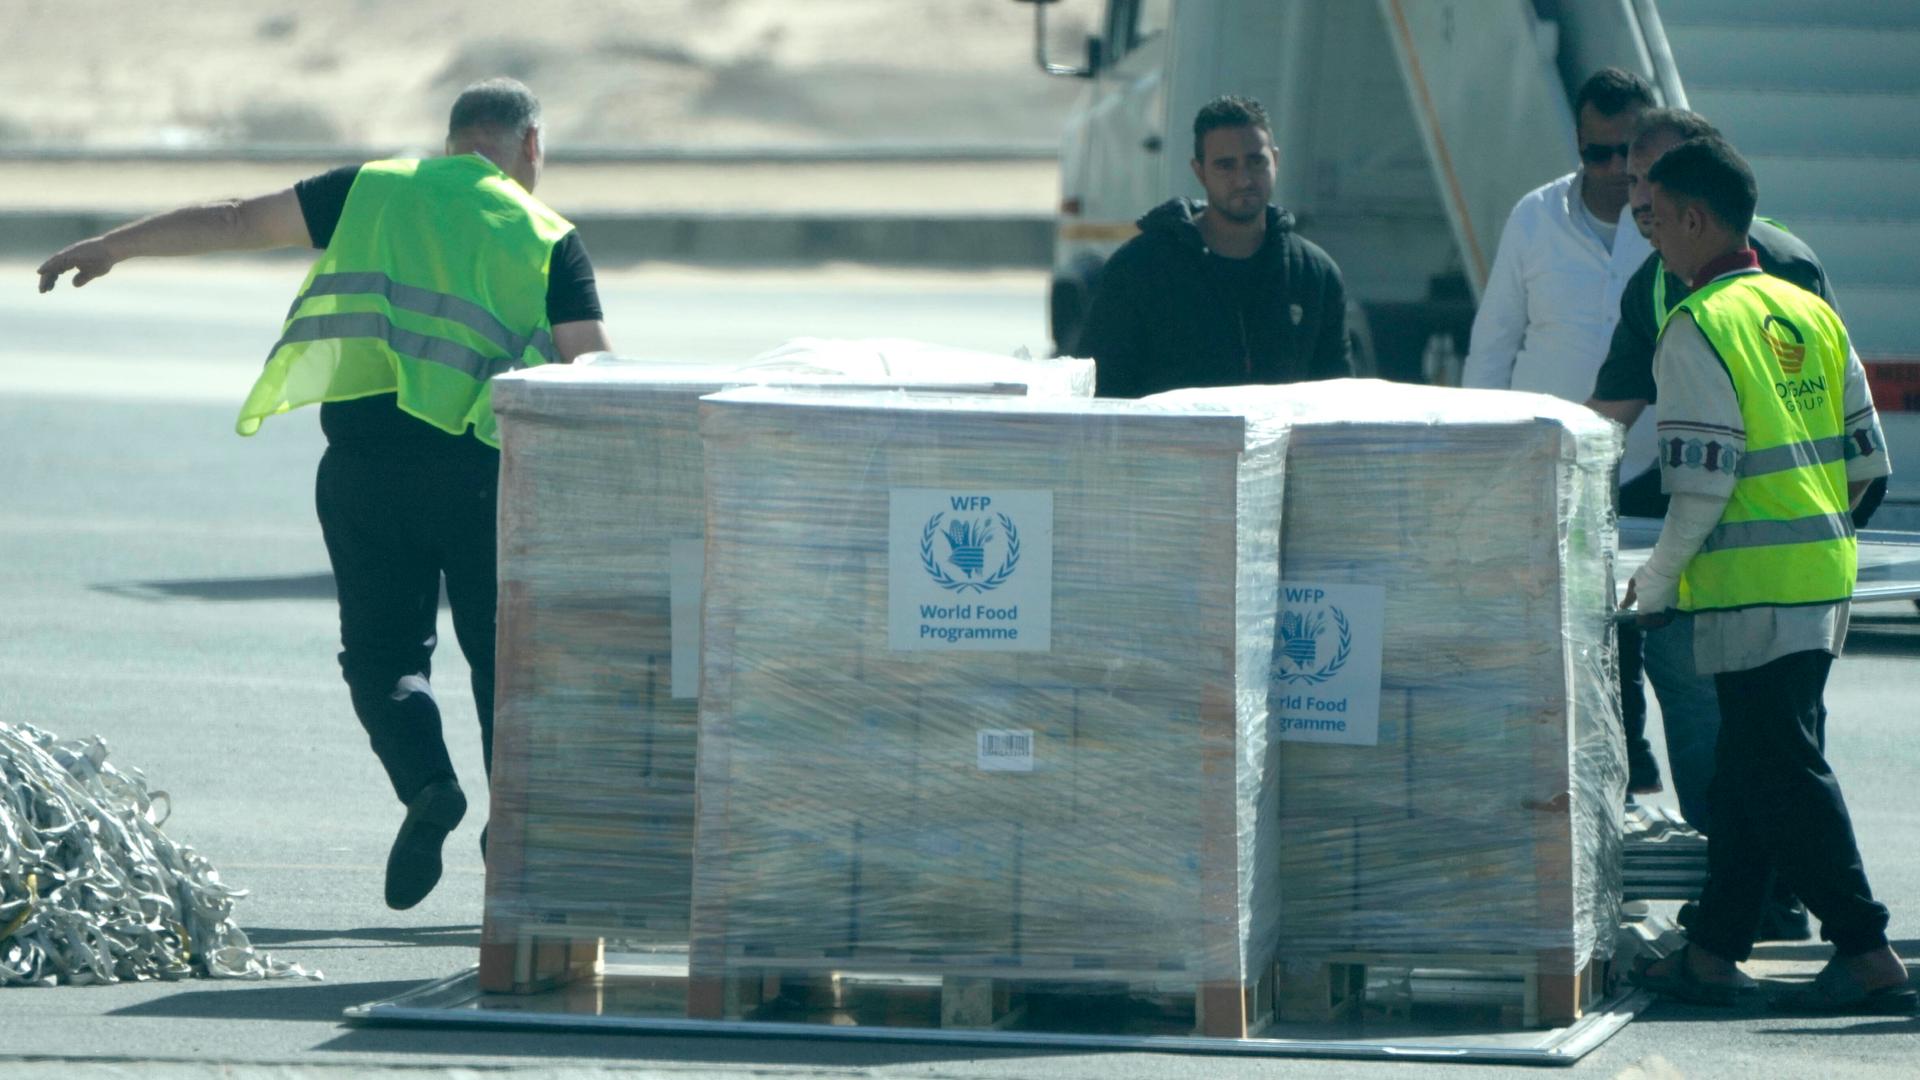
<point x="1553" y="297"/>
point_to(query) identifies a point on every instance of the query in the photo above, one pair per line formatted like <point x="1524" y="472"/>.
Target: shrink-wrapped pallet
<point x="984" y="689"/>
<point x="1481" y="817"/>
<point x="601" y="517"/>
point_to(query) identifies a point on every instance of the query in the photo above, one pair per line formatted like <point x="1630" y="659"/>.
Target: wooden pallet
<point x="1334" y="987"/>
<point x="780" y="987"/>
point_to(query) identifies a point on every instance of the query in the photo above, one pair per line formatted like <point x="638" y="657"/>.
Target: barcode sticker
<point x="1005" y="751"/>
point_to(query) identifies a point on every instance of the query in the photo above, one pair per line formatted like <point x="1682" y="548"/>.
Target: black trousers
<point x="1633" y="695"/>
<point x="395" y="522"/>
<point x="1776" y="804"/>
<point x="1639" y="497"/>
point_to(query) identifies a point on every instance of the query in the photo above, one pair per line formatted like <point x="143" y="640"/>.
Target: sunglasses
<point x="1601" y="153"/>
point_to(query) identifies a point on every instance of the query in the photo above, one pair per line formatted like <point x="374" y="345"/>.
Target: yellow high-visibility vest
<point x="435" y="281"/>
<point x="1786" y="537"/>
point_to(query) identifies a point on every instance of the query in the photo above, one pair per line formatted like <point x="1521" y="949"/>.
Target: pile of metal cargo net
<point x="91" y="890"/>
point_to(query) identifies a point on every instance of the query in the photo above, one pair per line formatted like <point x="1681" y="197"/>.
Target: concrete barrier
<point x="960" y="240"/>
<point x="957" y="241"/>
<point x="983" y="206"/>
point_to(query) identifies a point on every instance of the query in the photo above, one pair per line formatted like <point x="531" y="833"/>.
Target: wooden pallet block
<point x="1554" y="999"/>
<point x="533" y="963"/>
<point x="1318" y="992"/>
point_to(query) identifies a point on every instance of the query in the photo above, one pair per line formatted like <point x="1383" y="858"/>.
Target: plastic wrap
<point x="1485" y="819"/>
<point x="601" y="519"/>
<point x="858" y="810"/>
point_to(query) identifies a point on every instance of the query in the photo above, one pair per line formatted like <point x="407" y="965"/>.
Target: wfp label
<point x="969" y="570"/>
<point x="1326" y="663"/>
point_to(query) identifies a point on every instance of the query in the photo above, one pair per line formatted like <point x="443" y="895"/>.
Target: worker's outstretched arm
<point x="268" y="221"/>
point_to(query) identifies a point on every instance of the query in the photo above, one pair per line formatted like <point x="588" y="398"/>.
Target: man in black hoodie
<point x="1221" y="292"/>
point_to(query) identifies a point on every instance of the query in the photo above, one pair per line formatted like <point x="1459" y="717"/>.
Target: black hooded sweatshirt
<point x="1169" y="314"/>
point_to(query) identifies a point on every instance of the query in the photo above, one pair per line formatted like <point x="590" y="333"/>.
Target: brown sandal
<point x="1681" y="983"/>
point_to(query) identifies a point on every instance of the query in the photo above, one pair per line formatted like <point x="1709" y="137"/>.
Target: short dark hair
<point x="1612" y="91"/>
<point x="1711" y="171"/>
<point x="1682" y="124"/>
<point x="499" y="106"/>
<point x="1226" y="112"/>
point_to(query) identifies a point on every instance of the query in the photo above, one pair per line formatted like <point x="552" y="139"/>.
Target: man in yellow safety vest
<point x="436" y="275"/>
<point x="1767" y="436"/>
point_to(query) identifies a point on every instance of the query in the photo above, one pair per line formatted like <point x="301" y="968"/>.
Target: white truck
<point x="1406" y="130"/>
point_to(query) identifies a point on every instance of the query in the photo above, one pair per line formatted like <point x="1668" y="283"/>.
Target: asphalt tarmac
<point x="163" y="584"/>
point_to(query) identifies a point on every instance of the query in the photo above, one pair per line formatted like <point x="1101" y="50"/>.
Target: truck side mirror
<point x="1045" y="62"/>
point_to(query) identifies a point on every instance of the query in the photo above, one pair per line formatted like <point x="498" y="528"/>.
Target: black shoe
<point x="1688" y="914"/>
<point x="1785" y="922"/>
<point x="413" y="866"/>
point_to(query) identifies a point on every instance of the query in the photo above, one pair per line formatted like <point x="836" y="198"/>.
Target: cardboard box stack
<point x="984" y="690"/>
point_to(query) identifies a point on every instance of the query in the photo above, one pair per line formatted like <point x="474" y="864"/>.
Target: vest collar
<point x="477" y="159"/>
<point x="1733" y="262"/>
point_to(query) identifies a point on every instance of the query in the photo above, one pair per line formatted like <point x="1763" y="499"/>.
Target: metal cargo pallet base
<point x="634" y="994"/>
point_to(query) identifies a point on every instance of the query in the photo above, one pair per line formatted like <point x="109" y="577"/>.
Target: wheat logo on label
<point x="1304" y="641"/>
<point x="955" y="550"/>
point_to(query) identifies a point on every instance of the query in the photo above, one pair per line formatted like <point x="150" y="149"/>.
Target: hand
<point x="88" y="259"/>
<point x="1645" y="620"/>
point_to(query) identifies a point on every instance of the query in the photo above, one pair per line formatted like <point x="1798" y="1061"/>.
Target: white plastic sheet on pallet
<point x="1483" y="819"/>
<point x="882" y="790"/>
<point x="887" y="359"/>
<point x="92" y="891"/>
<point x="601" y="525"/>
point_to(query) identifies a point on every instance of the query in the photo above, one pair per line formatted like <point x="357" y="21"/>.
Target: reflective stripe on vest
<point x="399" y="303"/>
<point x="1794" y="456"/>
<point x="409" y="298"/>
<point x="1785" y="537"/>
